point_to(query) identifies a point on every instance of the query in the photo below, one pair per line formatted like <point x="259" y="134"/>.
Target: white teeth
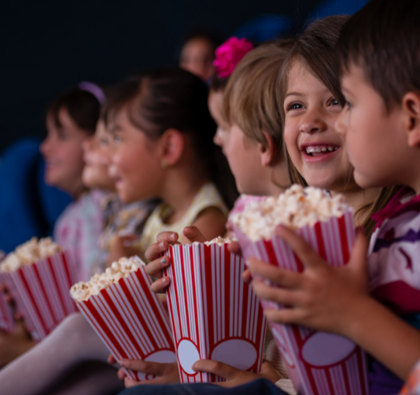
<point x="318" y="149"/>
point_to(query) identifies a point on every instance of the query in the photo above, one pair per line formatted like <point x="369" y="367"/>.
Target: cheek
<point x="290" y="139"/>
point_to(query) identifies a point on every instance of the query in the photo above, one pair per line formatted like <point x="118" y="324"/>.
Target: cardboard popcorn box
<point x="131" y="321"/>
<point x="40" y="291"/>
<point x="318" y="363"/>
<point x="214" y="314"/>
<point x="6" y="314"/>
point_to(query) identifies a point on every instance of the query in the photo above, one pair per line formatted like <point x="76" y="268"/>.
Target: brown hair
<point x="250" y="99"/>
<point x="315" y="48"/>
<point x="383" y="39"/>
<point x="174" y="98"/>
<point x="82" y="106"/>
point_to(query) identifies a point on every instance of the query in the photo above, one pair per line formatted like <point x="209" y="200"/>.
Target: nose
<point x="312" y="122"/>
<point x="44" y="148"/>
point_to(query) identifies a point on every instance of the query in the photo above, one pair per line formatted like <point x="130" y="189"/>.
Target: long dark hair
<point x="174" y="98"/>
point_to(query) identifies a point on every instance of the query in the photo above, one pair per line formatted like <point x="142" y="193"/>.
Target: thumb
<point x="193" y="234"/>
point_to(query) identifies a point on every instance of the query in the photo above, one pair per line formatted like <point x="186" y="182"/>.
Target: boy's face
<point x="375" y="139"/>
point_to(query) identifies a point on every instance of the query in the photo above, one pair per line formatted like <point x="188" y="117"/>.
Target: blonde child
<point x="311" y="113"/>
<point x="379" y="312"/>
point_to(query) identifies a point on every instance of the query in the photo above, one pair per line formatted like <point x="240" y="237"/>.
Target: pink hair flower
<point x="229" y="54"/>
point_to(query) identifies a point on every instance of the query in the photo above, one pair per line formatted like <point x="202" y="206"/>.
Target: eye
<point x="334" y="102"/>
<point x="117" y="139"/>
<point x="294" y="106"/>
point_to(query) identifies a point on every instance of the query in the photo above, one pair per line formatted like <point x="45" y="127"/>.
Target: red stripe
<point x="70" y="279"/>
<point x="329" y="380"/>
<point x="271" y="254"/>
<point x="301" y="361"/>
<point x="362" y="372"/>
<point x="229" y="261"/>
<point x="194" y="292"/>
<point x="174" y="284"/>
<point x="34" y="304"/>
<point x="104" y="327"/>
<point x="120" y="319"/>
<point x="46" y="296"/>
<point x="343" y="239"/>
<point x="211" y="309"/>
<point x="57" y="287"/>
<point x="139" y="314"/>
<point x="346" y="377"/>
<point x="320" y="241"/>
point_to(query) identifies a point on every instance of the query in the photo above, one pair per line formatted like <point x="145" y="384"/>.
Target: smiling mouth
<point x="318" y="150"/>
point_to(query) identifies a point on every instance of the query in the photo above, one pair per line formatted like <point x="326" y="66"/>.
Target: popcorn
<point x="219" y="240"/>
<point x="295" y="208"/>
<point x="28" y="253"/>
<point x="81" y="291"/>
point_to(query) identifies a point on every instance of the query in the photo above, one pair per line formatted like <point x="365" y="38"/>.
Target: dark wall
<point x="50" y="45"/>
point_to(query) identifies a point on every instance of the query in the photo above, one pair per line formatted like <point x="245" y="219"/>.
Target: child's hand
<point x="122" y="246"/>
<point x="235" y="377"/>
<point x="165" y="373"/>
<point x="321" y="297"/>
<point x="158" y="262"/>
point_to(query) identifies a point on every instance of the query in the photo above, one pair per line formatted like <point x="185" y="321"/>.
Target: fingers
<point x="283" y="277"/>
<point x="131" y="383"/>
<point x="235" y="248"/>
<point x="170" y="237"/>
<point x="121" y="374"/>
<point x="219" y="368"/>
<point x="153" y="368"/>
<point x="299" y="246"/>
<point x="283" y="316"/>
<point x="193" y="234"/>
<point x="160" y="285"/>
<point x="246" y="276"/>
<point x="111" y="359"/>
<point x="156" y="250"/>
<point x="156" y="267"/>
<point x="277" y="295"/>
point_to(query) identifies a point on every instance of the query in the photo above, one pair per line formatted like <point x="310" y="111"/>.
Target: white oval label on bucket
<point x="235" y="352"/>
<point x="324" y="349"/>
<point x="187" y="355"/>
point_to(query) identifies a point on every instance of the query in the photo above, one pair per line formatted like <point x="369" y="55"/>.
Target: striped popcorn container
<point x="318" y="363"/>
<point x="40" y="291"/>
<point x="131" y="321"/>
<point x="214" y="314"/>
<point x="6" y="314"/>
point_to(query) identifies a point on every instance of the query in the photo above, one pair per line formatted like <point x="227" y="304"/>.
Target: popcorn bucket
<point x="318" y="363"/>
<point x="131" y="321"/>
<point x="6" y="314"/>
<point x="40" y="291"/>
<point x="214" y="314"/>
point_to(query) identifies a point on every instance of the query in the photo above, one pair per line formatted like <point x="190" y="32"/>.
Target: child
<point x="250" y="134"/>
<point x="162" y="163"/>
<point x="71" y="119"/>
<point x="381" y="115"/>
<point x="311" y="113"/>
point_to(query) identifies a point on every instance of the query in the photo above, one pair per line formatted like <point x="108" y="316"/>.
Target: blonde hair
<point x="250" y="98"/>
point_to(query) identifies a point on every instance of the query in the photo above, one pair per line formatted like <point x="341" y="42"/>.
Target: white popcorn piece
<point x="28" y="253"/>
<point x="81" y="291"/>
<point x="219" y="240"/>
<point x="296" y="207"/>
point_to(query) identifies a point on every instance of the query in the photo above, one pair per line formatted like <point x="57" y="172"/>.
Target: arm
<point x="337" y="300"/>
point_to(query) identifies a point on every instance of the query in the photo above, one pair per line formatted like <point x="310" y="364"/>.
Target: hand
<point x="321" y="297"/>
<point x="235" y="377"/>
<point x="159" y="262"/>
<point x="166" y="373"/>
<point x="122" y="246"/>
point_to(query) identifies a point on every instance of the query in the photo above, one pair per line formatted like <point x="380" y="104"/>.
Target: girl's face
<point x="315" y="148"/>
<point x="197" y="57"/>
<point x="135" y="164"/>
<point x="96" y="157"/>
<point x="62" y="152"/>
<point x="242" y="153"/>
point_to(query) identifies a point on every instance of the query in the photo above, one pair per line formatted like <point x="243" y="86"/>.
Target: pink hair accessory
<point x="229" y="54"/>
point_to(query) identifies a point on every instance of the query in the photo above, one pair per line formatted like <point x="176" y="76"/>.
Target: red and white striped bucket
<point x="131" y="321"/>
<point x="318" y="363"/>
<point x="6" y="314"/>
<point x="214" y="314"/>
<point x="41" y="293"/>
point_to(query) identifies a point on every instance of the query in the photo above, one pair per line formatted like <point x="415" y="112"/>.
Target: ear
<point x="172" y="144"/>
<point x="268" y="151"/>
<point x="411" y="109"/>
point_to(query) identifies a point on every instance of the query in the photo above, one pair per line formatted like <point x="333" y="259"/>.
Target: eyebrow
<point x="293" y="93"/>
